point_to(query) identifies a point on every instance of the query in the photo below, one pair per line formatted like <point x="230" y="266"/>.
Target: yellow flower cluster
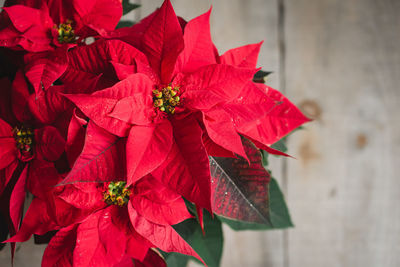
<point x="166" y="99"/>
<point x="117" y="194"/>
<point x="24" y="138"/>
<point x="65" y="32"/>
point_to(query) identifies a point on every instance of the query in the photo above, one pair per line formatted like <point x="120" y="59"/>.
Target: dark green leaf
<point x="124" y="23"/>
<point x="176" y="259"/>
<point x="260" y="76"/>
<point x="208" y="246"/>
<point x="128" y="7"/>
<point x="264" y="155"/>
<point x="280" y="145"/>
<point x="279" y="213"/>
<point x="190" y="206"/>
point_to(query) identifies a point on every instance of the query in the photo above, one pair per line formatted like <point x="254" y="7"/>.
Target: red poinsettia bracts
<point x="113" y="137"/>
<point x="50" y="28"/>
<point x="110" y="221"/>
<point x="165" y="107"/>
<point x="38" y="26"/>
<point x="23" y="143"/>
<point x="260" y="112"/>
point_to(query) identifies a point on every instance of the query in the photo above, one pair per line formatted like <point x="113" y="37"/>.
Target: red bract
<point x="38" y="26"/>
<point x="260" y="112"/>
<point x="142" y="109"/>
<point x="63" y="249"/>
<point x="107" y="222"/>
<point x="21" y="145"/>
<point x="96" y="62"/>
<point x="101" y="159"/>
<point x="51" y="28"/>
<point x="129" y="106"/>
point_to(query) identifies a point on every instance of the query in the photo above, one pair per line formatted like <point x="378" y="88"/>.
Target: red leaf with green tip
<point x="240" y="190"/>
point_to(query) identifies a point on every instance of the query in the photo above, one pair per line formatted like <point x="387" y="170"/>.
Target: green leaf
<point x="208" y="246"/>
<point x="128" y="7"/>
<point x="264" y="155"/>
<point x="280" y="145"/>
<point x="176" y="259"/>
<point x="260" y="76"/>
<point x="279" y="213"/>
<point x="190" y="206"/>
<point x="124" y="23"/>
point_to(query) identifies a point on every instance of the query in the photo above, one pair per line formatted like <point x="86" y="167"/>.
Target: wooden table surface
<point x="340" y="62"/>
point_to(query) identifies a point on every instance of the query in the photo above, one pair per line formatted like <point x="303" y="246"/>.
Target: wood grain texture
<point x="343" y="62"/>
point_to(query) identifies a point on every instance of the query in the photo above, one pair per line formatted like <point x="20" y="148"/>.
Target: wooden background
<point x="340" y="62"/>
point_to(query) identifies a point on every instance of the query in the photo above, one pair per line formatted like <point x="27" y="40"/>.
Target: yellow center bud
<point x="24" y="137"/>
<point x="65" y="32"/>
<point x="117" y="194"/>
<point x="166" y="99"/>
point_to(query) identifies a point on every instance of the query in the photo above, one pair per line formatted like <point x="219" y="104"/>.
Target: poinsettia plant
<point x="137" y="142"/>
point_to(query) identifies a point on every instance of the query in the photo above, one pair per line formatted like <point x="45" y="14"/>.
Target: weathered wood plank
<point x="343" y="66"/>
